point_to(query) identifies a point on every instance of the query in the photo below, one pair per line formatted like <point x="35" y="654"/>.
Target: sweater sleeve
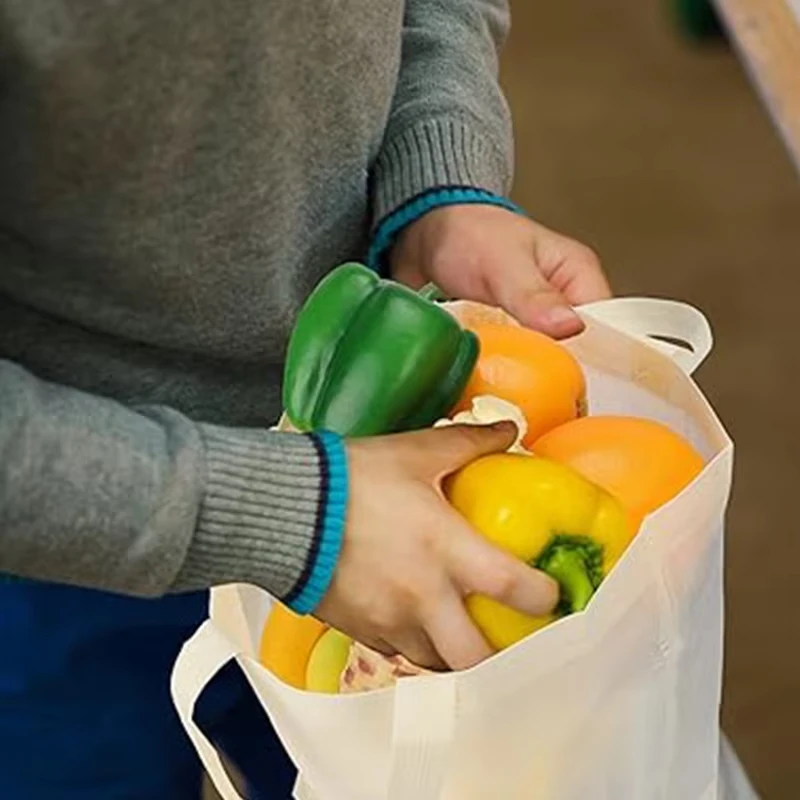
<point x="450" y="124"/>
<point x="146" y="502"/>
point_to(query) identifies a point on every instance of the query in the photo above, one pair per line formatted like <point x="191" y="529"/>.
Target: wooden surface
<point x="767" y="33"/>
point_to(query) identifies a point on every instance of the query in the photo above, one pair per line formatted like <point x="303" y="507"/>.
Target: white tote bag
<point x="620" y="702"/>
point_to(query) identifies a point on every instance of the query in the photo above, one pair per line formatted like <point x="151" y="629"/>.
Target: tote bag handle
<point x="677" y="329"/>
<point x="423" y="723"/>
<point x="199" y="660"/>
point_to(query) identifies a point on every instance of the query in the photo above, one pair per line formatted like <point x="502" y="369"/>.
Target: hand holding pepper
<point x="409" y="559"/>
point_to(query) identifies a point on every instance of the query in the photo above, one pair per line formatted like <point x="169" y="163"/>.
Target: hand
<point x="494" y="256"/>
<point x="408" y="558"/>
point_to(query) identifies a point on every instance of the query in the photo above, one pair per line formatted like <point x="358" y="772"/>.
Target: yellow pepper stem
<point x="576" y="563"/>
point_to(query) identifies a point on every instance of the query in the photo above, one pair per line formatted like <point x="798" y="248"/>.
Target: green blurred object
<point x="697" y="19"/>
<point x="368" y="356"/>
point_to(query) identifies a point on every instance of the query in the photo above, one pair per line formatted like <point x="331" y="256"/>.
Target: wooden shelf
<point x="767" y="34"/>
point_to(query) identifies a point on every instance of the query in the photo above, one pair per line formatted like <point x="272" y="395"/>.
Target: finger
<point x="580" y="277"/>
<point x="572" y="268"/>
<point x="454" y="635"/>
<point x="479" y="567"/>
<point x="528" y="296"/>
<point x="417" y="647"/>
<point x="406" y="271"/>
<point x="437" y="452"/>
<point x="381" y="646"/>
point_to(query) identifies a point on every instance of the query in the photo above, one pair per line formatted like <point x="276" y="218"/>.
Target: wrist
<point x="392" y="226"/>
<point x="271" y="514"/>
<point x="323" y="555"/>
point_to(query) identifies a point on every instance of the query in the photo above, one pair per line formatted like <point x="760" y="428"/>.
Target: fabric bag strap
<point x="677" y="329"/>
<point x="199" y="660"/>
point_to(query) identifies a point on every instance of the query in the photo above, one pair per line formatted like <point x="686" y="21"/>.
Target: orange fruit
<point x="643" y="463"/>
<point x="530" y="370"/>
<point x="286" y="644"/>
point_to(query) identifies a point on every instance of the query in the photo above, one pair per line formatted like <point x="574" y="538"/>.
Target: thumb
<point x="528" y="296"/>
<point x="444" y="450"/>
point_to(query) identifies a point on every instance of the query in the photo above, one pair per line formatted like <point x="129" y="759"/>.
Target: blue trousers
<point x="85" y="709"/>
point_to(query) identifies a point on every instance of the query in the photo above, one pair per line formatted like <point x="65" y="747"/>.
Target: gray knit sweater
<point x="175" y="177"/>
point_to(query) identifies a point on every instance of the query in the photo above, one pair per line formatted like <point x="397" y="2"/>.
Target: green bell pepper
<point x="369" y="356"/>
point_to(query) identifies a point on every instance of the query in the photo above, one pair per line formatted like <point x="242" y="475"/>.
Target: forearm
<point x="144" y="501"/>
<point x="450" y="123"/>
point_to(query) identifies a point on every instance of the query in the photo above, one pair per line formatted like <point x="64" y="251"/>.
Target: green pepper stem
<point x="576" y="563"/>
<point x="430" y="291"/>
<point x="569" y="568"/>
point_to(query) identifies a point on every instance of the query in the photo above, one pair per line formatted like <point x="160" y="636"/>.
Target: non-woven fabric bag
<point x="620" y="702"/>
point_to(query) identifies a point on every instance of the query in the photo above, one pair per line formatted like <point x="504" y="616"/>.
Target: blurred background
<point x="654" y="148"/>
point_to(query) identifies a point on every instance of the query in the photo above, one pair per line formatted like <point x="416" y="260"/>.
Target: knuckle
<point x="408" y="600"/>
<point x="502" y="580"/>
<point x="589" y="256"/>
<point x="469" y="436"/>
<point x="382" y="620"/>
<point x="535" y="294"/>
<point x="430" y="541"/>
<point x="387" y="614"/>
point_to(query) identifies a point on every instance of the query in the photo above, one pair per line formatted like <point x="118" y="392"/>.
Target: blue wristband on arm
<point x="331" y="516"/>
<point x="392" y="225"/>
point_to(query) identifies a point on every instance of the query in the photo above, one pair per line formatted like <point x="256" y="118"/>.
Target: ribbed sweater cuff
<point x="273" y="514"/>
<point x="436" y="153"/>
<point x="392" y="226"/>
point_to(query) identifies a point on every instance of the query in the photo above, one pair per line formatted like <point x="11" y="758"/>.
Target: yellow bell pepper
<point x="550" y="517"/>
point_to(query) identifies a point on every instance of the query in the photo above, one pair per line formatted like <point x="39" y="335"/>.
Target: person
<point x="176" y="178"/>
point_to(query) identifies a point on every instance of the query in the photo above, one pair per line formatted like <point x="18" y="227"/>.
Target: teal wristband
<point x="326" y="547"/>
<point x="392" y="225"/>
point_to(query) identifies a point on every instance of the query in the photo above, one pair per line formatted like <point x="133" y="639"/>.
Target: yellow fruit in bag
<point x="287" y="642"/>
<point x="327" y="662"/>
<point x="548" y="516"/>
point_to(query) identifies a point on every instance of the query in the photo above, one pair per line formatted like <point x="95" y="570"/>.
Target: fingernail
<point x="562" y="321"/>
<point x="561" y="315"/>
<point x="504" y="425"/>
